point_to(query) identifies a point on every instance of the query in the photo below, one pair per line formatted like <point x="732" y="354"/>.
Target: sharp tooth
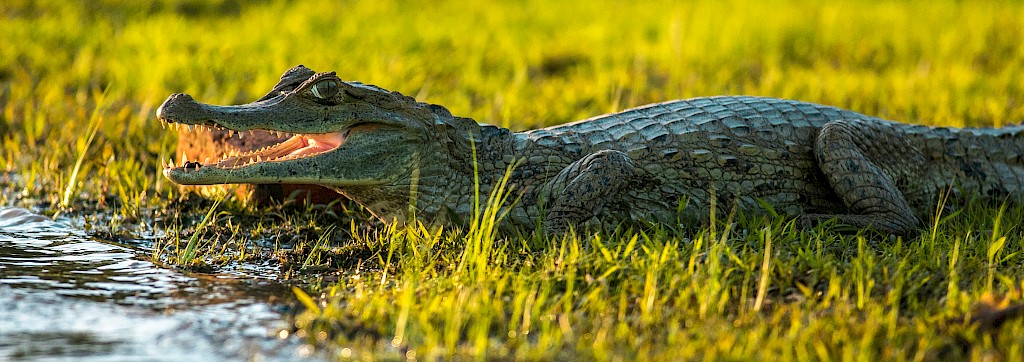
<point x="206" y="161"/>
<point x="171" y="162"/>
<point x="184" y="158"/>
<point x="163" y="125"/>
<point x="250" y="132"/>
<point x="177" y="126"/>
<point x="241" y="135"/>
<point x="259" y="159"/>
<point x="231" y="133"/>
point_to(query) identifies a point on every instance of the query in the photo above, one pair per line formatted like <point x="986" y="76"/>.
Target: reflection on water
<point x="64" y="295"/>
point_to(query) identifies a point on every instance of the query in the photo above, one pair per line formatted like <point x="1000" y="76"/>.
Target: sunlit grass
<point x="741" y="288"/>
<point x="83" y="147"/>
<point x="655" y="295"/>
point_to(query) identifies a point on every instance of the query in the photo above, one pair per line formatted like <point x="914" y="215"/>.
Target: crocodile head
<point x="358" y="139"/>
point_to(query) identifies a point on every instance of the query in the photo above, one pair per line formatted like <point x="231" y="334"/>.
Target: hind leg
<point x="859" y="160"/>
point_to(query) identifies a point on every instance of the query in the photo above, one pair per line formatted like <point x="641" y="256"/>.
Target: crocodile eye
<point x="325" y="89"/>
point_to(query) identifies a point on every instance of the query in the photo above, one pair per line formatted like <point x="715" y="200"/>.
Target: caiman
<point x="665" y="163"/>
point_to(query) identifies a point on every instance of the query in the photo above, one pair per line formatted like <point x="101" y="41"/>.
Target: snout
<point x="179" y="107"/>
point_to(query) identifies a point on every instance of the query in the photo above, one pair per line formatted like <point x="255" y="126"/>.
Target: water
<point x="66" y="296"/>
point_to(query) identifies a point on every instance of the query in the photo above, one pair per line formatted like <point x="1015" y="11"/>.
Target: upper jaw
<point x="278" y="113"/>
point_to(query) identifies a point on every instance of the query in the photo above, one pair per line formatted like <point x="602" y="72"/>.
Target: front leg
<point x="580" y="191"/>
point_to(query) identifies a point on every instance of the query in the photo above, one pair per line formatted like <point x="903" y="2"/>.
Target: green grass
<point x="739" y="289"/>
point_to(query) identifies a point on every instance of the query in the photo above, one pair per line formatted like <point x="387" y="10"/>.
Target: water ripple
<point x="65" y="295"/>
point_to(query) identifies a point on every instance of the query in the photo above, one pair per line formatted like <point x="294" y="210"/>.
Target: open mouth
<point x="294" y="147"/>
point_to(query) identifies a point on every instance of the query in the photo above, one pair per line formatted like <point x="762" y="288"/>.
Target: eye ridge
<point x="325" y="89"/>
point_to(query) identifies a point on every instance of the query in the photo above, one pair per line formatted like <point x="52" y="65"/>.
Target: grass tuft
<point x="94" y="126"/>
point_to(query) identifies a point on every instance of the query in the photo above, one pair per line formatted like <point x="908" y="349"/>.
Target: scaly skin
<point x="661" y="163"/>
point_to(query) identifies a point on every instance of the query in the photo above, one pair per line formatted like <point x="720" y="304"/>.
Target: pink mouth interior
<point x="296" y="147"/>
